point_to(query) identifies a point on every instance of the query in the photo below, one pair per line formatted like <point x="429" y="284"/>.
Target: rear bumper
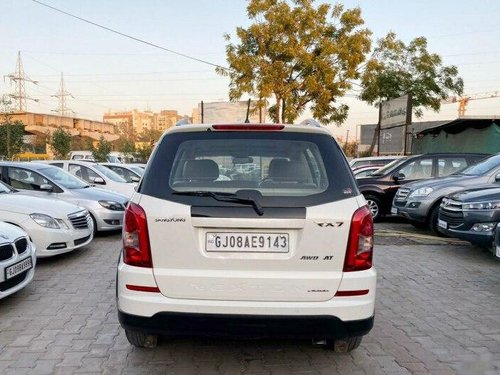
<point x="246" y="326"/>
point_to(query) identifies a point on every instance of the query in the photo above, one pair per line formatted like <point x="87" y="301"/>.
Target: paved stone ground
<point x="438" y="312"/>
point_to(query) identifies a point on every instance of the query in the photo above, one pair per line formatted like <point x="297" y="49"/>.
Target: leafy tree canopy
<point x="60" y="141"/>
<point x="298" y="54"/>
<point x="101" y="152"/>
<point x="396" y="69"/>
<point x="11" y="132"/>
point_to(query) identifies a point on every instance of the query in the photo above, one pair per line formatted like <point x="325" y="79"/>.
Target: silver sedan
<point x="106" y="208"/>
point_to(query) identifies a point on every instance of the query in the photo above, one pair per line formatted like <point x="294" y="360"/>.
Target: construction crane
<point x="464" y="100"/>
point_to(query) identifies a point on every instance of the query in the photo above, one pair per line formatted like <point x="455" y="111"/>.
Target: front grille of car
<point x="451" y="212"/>
<point x="6" y="252"/>
<point x="399" y="203"/>
<point x="12" y="282"/>
<point x="21" y="245"/>
<point x="402" y="194"/>
<point x="81" y="240"/>
<point x="80" y="220"/>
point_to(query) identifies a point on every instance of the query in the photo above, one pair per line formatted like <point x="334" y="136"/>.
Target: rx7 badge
<point x="324" y="224"/>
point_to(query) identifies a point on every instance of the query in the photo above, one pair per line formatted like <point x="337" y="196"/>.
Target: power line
<point x="131" y="37"/>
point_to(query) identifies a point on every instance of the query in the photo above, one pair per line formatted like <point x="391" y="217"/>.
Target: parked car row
<point x="453" y="194"/>
<point x="380" y="187"/>
<point x="54" y="207"/>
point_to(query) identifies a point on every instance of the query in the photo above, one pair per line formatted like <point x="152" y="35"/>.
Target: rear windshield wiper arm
<point x="225" y="197"/>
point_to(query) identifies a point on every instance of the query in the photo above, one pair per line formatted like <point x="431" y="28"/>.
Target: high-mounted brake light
<point x="359" y="253"/>
<point x="248" y="128"/>
<point x="136" y="250"/>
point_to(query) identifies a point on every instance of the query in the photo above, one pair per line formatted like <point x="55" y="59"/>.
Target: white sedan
<point x="17" y="259"/>
<point x="95" y="174"/>
<point x="54" y="226"/>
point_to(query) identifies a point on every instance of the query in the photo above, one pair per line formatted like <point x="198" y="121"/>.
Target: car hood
<point x="24" y="204"/>
<point x="98" y="194"/>
<point x="9" y="232"/>
<point x="482" y="193"/>
<point x="441" y="182"/>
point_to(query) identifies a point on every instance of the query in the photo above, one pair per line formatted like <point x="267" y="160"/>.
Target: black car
<point x="380" y="187"/>
<point x="473" y="215"/>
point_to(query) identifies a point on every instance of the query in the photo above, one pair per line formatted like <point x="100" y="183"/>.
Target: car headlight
<point x="421" y="192"/>
<point x="45" y="221"/>
<point x="482" y="205"/>
<point x="111" y="205"/>
<point x="484" y="227"/>
<point x="61" y="223"/>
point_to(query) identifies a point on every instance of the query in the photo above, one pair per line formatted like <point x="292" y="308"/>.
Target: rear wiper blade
<point x="228" y="197"/>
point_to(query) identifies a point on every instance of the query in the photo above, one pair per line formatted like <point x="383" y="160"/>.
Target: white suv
<point x="282" y="249"/>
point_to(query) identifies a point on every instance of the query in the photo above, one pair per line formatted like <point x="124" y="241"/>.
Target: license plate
<point x="18" y="268"/>
<point x="247" y="242"/>
<point x="442" y="224"/>
<point x="394" y="211"/>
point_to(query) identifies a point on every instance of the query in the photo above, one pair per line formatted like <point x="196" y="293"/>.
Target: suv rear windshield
<point x="286" y="168"/>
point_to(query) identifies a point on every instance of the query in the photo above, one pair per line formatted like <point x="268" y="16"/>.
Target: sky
<point x="108" y="72"/>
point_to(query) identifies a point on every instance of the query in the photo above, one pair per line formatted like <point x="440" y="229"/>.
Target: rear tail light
<point x="136" y="249"/>
<point x="359" y="252"/>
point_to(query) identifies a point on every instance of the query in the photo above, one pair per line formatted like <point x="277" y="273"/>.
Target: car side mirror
<point x="135" y="178"/>
<point x="98" y="181"/>
<point x="399" y="177"/>
<point x="497" y="178"/>
<point x="47" y="187"/>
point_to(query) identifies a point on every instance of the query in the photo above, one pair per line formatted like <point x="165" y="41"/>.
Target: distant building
<point x="166" y="119"/>
<point x="43" y="124"/>
<point x="464" y="134"/>
<point x="139" y="121"/>
<point x="227" y="112"/>
<point x="39" y="125"/>
<point x="392" y="140"/>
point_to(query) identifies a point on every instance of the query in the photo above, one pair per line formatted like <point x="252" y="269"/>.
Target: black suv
<point x="381" y="186"/>
<point x="473" y="215"/>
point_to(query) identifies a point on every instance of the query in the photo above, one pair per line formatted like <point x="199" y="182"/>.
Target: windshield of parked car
<point x="482" y="167"/>
<point x="389" y="167"/>
<point x="63" y="178"/>
<point x="109" y="173"/>
<point x="137" y="169"/>
<point x="4" y="188"/>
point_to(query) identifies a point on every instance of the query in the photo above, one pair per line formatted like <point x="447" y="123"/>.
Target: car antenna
<point x="247" y="120"/>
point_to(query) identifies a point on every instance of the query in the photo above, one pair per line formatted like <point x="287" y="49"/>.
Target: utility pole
<point x="19" y="79"/>
<point x="346" y="141"/>
<point x="63" y="110"/>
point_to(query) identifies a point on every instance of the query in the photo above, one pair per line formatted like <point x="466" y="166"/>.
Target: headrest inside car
<point x="206" y="170"/>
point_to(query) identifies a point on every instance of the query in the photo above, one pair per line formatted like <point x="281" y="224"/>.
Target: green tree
<point x="101" y="152"/>
<point x="298" y="54"/>
<point x="150" y="136"/>
<point x="11" y="132"/>
<point x="60" y="141"/>
<point x="126" y="142"/>
<point x="397" y="69"/>
<point x="143" y="152"/>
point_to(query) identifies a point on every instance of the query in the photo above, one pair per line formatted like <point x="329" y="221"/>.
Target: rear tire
<point x="345" y="345"/>
<point x="141" y="339"/>
<point x="375" y="206"/>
